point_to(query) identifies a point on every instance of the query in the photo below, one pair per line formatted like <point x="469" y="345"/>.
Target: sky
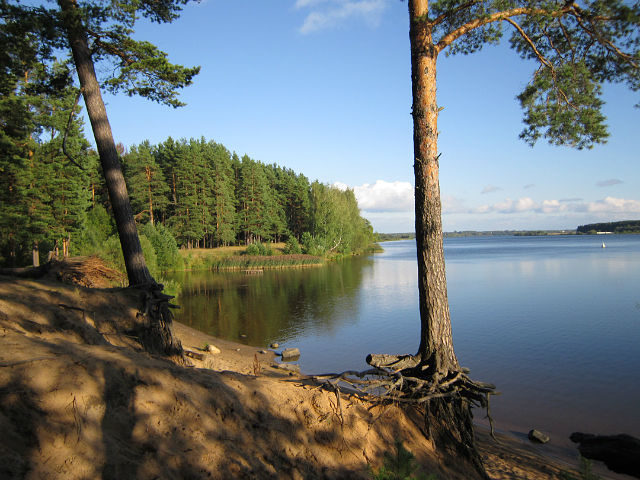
<point x="323" y="87"/>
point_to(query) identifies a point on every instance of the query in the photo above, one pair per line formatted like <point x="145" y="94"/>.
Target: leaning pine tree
<point x="101" y="31"/>
<point x="577" y="47"/>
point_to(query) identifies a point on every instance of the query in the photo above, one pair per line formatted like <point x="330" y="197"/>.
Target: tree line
<point x="624" y="226"/>
<point x="55" y="198"/>
<point x="209" y="197"/>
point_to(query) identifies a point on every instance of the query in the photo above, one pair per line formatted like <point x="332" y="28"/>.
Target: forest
<point x="624" y="226"/>
<point x="184" y="193"/>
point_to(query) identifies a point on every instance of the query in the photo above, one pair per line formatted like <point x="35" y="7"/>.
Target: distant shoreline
<point x="625" y="227"/>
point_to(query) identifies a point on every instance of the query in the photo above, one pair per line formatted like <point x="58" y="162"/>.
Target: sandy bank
<point x="80" y="399"/>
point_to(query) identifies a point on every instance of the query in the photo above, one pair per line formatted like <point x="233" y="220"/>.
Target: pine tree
<point x="578" y="46"/>
<point x="146" y="183"/>
<point x="224" y="202"/>
<point x="100" y="29"/>
<point x="185" y="223"/>
<point x="254" y="201"/>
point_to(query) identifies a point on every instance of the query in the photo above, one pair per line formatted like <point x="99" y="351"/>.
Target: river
<point x="553" y="321"/>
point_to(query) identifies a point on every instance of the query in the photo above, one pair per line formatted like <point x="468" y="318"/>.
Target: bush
<point x="292" y="246"/>
<point x="165" y="246"/>
<point x="400" y="466"/>
<point x="99" y="227"/>
<point x="111" y="253"/>
<point x="255" y="249"/>
<point x="312" y="245"/>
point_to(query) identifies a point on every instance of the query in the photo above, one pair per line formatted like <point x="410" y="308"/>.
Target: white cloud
<point x="330" y="13"/>
<point x="383" y="196"/>
<point x="614" y="205"/>
<point x="608" y="205"/>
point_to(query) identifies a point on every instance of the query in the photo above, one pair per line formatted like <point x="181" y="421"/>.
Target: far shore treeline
<point x="184" y="194"/>
<point x="621" y="227"/>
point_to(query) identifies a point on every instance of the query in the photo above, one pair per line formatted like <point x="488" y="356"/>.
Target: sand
<point x="80" y="399"/>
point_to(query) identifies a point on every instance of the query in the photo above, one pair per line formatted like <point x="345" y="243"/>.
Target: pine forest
<point x="184" y="193"/>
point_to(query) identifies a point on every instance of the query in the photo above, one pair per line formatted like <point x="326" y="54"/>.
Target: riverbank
<point x="80" y="399"/>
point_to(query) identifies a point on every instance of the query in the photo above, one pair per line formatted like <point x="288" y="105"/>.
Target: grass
<point x="232" y="258"/>
<point x="400" y="465"/>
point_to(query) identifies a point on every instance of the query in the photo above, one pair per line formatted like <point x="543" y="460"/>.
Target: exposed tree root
<point x="445" y="398"/>
<point x="154" y="331"/>
<point x="403" y="379"/>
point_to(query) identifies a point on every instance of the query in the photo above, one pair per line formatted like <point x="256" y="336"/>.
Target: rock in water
<point x="538" y="436"/>
<point x="274" y="345"/>
<point x="290" y="353"/>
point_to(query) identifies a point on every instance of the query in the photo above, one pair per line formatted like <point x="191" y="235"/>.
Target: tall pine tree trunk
<point x="436" y="345"/>
<point x="448" y="420"/>
<point x="137" y="271"/>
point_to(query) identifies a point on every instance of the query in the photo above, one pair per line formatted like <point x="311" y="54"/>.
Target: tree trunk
<point x="35" y="255"/>
<point x="448" y="420"/>
<point x="436" y="344"/>
<point x="148" y="174"/>
<point x="155" y="335"/>
<point x="137" y="271"/>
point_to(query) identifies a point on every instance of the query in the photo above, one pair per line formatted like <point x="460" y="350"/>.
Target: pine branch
<point x="446" y="15"/>
<point x="598" y="37"/>
<point x="449" y="38"/>
<point x="526" y="37"/>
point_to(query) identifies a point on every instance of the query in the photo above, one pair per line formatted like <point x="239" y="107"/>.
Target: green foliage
<point x="43" y="193"/>
<point x="111" y="253"/>
<point x="258" y="248"/>
<point x="625" y="226"/>
<point x="36" y="33"/>
<point x="337" y="227"/>
<point x="292" y="246"/>
<point x="148" y="190"/>
<point x="312" y="245"/>
<point x="260" y="261"/>
<point x="577" y="47"/>
<point x="98" y="228"/>
<point x="400" y="465"/>
<point x="164" y="245"/>
<point x="563" y="106"/>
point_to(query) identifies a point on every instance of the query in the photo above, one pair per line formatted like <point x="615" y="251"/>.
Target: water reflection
<point x="259" y="309"/>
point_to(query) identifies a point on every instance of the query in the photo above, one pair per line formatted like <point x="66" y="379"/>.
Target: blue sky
<point x="323" y="87"/>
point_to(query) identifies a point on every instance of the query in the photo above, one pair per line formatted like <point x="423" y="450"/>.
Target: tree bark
<point x="436" y="345"/>
<point x="448" y="421"/>
<point x="137" y="271"/>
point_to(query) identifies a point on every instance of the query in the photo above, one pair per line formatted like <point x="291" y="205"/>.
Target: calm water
<point x="554" y="322"/>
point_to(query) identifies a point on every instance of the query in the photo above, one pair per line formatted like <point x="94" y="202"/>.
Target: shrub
<point x="400" y="466"/>
<point x="292" y="246"/>
<point x="165" y="246"/>
<point x="99" y="227"/>
<point x="312" y="245"/>
<point x="254" y="249"/>
<point x="111" y="253"/>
